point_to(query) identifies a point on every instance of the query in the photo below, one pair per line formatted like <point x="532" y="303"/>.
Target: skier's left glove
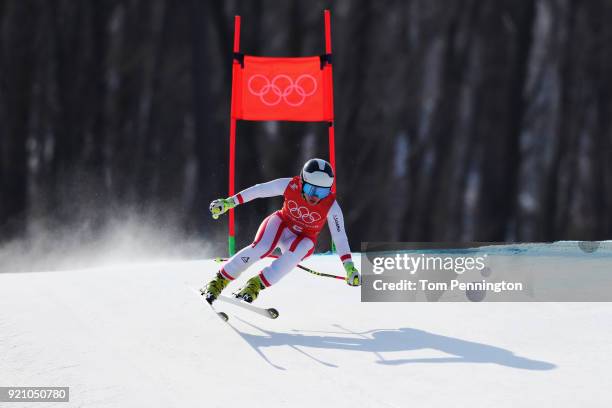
<point x="352" y="274"/>
<point x="220" y="206"/>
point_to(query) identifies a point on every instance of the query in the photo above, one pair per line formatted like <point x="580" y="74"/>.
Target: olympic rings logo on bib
<point x="302" y="213"/>
<point x="282" y="88"/>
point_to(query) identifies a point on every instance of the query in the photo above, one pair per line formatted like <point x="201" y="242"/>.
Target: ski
<point x="222" y="315"/>
<point x="270" y="313"/>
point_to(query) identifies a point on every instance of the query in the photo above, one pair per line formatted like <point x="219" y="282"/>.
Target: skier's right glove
<point x="352" y="274"/>
<point x="221" y="206"/>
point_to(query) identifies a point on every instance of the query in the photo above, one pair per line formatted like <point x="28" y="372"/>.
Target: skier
<point x="294" y="228"/>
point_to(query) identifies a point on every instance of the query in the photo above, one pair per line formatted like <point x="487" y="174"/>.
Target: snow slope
<point x="138" y="336"/>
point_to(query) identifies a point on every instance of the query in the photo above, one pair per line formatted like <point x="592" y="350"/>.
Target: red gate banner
<point x="292" y="89"/>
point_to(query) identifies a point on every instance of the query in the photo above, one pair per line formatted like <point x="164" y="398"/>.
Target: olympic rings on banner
<point x="302" y="213"/>
<point x="273" y="88"/>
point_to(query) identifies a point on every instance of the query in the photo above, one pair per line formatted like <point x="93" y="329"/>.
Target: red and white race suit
<point x="294" y="229"/>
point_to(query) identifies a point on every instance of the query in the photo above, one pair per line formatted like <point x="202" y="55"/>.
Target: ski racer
<point x="309" y="202"/>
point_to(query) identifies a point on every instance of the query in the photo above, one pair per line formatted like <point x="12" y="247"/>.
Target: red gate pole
<point x="231" y="239"/>
<point x="332" y="137"/>
<point x="332" y="141"/>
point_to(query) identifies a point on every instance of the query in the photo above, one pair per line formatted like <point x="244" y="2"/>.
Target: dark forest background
<point x="484" y="120"/>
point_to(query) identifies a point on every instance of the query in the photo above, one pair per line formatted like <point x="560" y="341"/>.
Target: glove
<point x="221" y="206"/>
<point x="352" y="274"/>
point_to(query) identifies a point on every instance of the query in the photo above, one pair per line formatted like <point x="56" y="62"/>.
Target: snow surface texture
<point x="138" y="336"/>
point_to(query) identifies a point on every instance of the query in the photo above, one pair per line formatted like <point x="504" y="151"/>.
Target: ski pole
<point x="326" y="275"/>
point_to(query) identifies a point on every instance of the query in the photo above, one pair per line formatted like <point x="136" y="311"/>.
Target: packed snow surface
<point x="139" y="336"/>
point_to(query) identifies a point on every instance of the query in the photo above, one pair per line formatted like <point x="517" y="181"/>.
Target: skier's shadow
<point x="390" y="340"/>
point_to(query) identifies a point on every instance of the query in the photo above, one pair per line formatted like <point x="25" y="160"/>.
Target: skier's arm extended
<point x="270" y="189"/>
<point x="335" y="222"/>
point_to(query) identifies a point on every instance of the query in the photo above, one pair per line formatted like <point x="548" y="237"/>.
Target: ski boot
<point x="251" y="290"/>
<point x="214" y="288"/>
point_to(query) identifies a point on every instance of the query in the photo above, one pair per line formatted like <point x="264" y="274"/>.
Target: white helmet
<point x="318" y="172"/>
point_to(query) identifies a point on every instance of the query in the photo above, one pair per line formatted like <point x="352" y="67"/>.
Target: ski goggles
<point x="315" y="191"/>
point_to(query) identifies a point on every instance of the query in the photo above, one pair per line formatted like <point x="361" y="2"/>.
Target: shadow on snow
<point x="389" y="340"/>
